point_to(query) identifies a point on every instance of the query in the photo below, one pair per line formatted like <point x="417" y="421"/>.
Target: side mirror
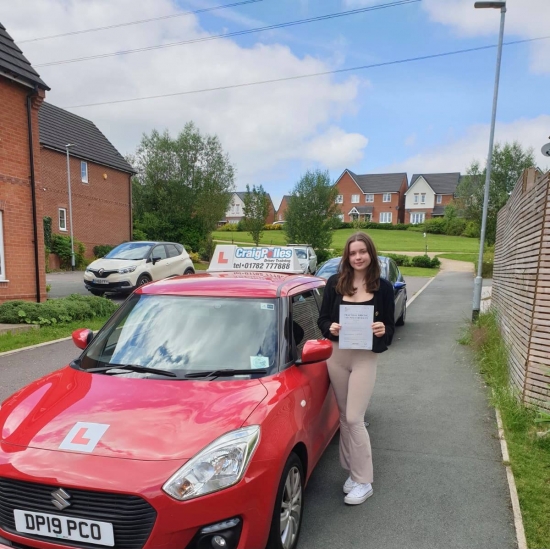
<point x="82" y="337"/>
<point x="399" y="285"/>
<point x="155" y="259"/>
<point x="316" y="350"/>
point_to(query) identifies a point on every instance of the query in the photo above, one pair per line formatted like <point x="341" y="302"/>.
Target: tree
<point x="183" y="186"/>
<point x="311" y="211"/>
<point x="509" y="161"/>
<point x="256" y="210"/>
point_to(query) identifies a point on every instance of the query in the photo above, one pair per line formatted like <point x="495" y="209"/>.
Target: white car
<point x="306" y="257"/>
<point x="133" y="264"/>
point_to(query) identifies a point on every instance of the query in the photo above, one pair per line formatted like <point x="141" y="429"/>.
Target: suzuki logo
<point x="60" y="499"/>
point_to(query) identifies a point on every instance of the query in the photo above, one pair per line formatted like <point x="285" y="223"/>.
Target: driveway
<point x="72" y="282"/>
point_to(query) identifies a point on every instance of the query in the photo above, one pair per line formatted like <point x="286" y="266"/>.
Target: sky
<point x="424" y="116"/>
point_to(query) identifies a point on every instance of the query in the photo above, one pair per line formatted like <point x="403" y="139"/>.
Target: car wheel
<point x="401" y="319"/>
<point x="143" y="279"/>
<point x="289" y="507"/>
<point x="97" y="293"/>
<point x="189" y="271"/>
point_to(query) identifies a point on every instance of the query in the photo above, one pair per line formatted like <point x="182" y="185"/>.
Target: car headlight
<point x="129" y="269"/>
<point x="218" y="466"/>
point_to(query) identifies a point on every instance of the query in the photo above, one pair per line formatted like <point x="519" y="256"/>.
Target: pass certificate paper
<point x="356" y="331"/>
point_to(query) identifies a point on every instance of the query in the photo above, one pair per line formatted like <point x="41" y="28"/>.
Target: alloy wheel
<point x="291" y="508"/>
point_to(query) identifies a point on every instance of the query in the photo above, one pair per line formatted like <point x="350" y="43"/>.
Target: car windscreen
<point x="130" y="250"/>
<point x="300" y="253"/>
<point x="188" y="334"/>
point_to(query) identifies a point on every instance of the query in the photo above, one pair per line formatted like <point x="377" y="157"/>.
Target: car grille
<point x="131" y="516"/>
<point x="102" y="273"/>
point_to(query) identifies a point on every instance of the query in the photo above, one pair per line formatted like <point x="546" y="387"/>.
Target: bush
<point x="61" y="246"/>
<point x="421" y="261"/>
<point x="436" y="263"/>
<point x="436" y="225"/>
<point x="272" y="227"/>
<point x="194" y="256"/>
<point x="206" y="249"/>
<point x="322" y="256"/>
<point x="400" y="260"/>
<point x="56" y="311"/>
<point x="472" y="230"/>
<point x="102" y="250"/>
<point x="364" y="225"/>
<point x="229" y="227"/>
<point x="456" y="226"/>
<point x="138" y="234"/>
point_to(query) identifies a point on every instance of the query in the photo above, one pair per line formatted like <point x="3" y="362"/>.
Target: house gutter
<point x="33" y="192"/>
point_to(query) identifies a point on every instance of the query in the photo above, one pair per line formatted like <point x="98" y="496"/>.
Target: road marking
<point x="409" y="301"/>
<point x="6" y="353"/>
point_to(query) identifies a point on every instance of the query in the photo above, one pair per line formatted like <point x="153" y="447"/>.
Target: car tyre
<point x="143" y="279"/>
<point x="289" y="506"/>
<point x="189" y="271"/>
<point x="401" y="319"/>
<point x="97" y="293"/>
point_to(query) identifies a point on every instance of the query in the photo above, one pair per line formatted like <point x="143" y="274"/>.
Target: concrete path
<point x="439" y="478"/>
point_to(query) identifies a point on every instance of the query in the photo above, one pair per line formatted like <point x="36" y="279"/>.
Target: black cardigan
<point x="384" y="311"/>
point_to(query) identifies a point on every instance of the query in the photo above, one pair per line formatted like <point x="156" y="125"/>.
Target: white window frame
<point x="2" y="260"/>
<point x="84" y="173"/>
<point x="439" y="199"/>
<point x="422" y="198"/>
<point x="386" y="197"/>
<point x="416" y="198"/>
<point x="355" y="199"/>
<point x="64" y="210"/>
<point x="385" y="217"/>
<point x="417" y="218"/>
<point x="339" y="199"/>
<point x="369" y="197"/>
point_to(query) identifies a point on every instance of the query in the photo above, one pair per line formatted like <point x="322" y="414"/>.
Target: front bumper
<point x="113" y="283"/>
<point x="177" y="524"/>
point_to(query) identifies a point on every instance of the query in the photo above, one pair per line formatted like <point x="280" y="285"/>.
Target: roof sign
<point x="280" y="259"/>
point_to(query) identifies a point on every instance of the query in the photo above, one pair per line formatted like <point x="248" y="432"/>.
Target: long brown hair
<point x="372" y="276"/>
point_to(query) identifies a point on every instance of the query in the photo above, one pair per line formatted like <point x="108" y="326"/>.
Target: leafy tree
<point x="311" y="210"/>
<point x="256" y="210"/>
<point x="509" y="161"/>
<point x="182" y="188"/>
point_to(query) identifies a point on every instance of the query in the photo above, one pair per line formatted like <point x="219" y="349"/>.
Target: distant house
<point x="428" y="195"/>
<point x="235" y="212"/>
<point x="282" y="208"/>
<point x="101" y="190"/>
<point x="372" y="197"/>
<point x="22" y="272"/>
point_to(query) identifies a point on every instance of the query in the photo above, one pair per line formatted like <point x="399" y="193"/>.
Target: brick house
<point x="22" y="272"/>
<point x="101" y="190"/>
<point x="282" y="208"/>
<point x="428" y="195"/>
<point x="372" y="197"/>
<point x="235" y="212"/>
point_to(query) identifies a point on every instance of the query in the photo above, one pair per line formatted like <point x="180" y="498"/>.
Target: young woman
<point x="353" y="372"/>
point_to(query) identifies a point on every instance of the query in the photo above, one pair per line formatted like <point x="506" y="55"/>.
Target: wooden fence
<point x="521" y="285"/>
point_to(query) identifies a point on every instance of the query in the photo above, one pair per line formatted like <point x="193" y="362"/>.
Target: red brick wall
<point x="346" y="186"/>
<point x="15" y="194"/>
<point x="101" y="207"/>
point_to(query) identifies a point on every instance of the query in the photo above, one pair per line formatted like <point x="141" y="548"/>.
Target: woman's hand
<point x="335" y="329"/>
<point x="378" y="329"/>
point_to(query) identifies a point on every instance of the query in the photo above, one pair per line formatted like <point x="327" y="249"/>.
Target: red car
<point x="193" y="419"/>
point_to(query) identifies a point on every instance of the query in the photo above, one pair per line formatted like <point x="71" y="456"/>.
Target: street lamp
<point x="68" y="146"/>
<point x="479" y="279"/>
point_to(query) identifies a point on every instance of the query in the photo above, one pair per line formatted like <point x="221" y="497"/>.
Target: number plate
<point x="100" y="281"/>
<point x="71" y="528"/>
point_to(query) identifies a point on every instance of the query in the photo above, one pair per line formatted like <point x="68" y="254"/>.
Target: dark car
<point x="389" y="270"/>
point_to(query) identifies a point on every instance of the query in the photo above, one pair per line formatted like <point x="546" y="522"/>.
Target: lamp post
<point x="68" y="146"/>
<point x="479" y="279"/>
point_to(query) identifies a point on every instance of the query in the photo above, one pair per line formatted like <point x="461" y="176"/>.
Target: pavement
<point x="439" y="478"/>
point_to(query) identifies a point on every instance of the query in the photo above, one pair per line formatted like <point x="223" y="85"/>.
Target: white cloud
<point x="524" y="19"/>
<point x="262" y="127"/>
<point x="457" y="155"/>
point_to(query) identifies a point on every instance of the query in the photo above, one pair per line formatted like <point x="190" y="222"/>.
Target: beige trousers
<point x="352" y="375"/>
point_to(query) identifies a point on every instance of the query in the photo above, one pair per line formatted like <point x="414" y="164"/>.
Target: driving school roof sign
<point x="278" y="259"/>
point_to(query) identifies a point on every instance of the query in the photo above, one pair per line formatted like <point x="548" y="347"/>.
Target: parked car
<point x="132" y="264"/>
<point x="306" y="257"/>
<point x="193" y="419"/>
<point x="389" y="270"/>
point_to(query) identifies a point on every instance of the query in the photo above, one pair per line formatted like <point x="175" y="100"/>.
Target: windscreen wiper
<point x="132" y="368"/>
<point x="228" y="372"/>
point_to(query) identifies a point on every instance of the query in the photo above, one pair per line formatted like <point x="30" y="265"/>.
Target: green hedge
<point x="61" y="245"/>
<point x="360" y="225"/>
<point x="102" y="250"/>
<point x="415" y="261"/>
<point x="56" y="311"/>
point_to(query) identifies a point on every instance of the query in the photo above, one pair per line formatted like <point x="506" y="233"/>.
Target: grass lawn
<point x="471" y="258"/>
<point x="9" y="341"/>
<point x="200" y="266"/>
<point x="418" y="271"/>
<point x="389" y="241"/>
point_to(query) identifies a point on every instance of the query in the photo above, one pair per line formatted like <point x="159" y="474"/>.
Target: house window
<point x="369" y="198"/>
<point x="387" y="197"/>
<point x="417" y="218"/>
<point x="416" y="198"/>
<point x="2" y="263"/>
<point x="423" y="198"/>
<point x="280" y="217"/>
<point x="385" y="217"/>
<point x="237" y="209"/>
<point x="84" y="172"/>
<point x="355" y="199"/>
<point x="439" y="199"/>
<point x="62" y="219"/>
<point x="339" y="199"/>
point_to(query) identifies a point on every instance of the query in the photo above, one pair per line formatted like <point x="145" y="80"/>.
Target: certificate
<point x="356" y="322"/>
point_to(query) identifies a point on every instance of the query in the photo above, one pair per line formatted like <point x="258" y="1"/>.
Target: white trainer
<point x="349" y="485"/>
<point x="358" y="494"/>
